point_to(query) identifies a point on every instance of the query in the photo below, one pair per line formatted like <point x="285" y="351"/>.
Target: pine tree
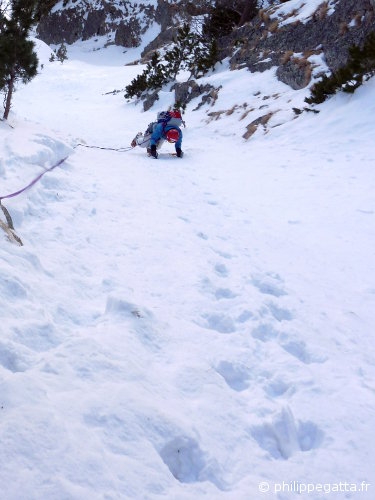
<point x="209" y="58"/>
<point x="178" y="57"/>
<point x="137" y="86"/>
<point x="61" y="53"/>
<point x="3" y="9"/>
<point x="153" y="77"/>
<point x="43" y="7"/>
<point x="18" y="60"/>
<point x="156" y="73"/>
<point x="220" y="22"/>
<point x="191" y="51"/>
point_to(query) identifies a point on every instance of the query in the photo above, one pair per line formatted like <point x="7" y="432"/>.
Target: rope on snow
<point x="8" y="227"/>
<point x="60" y="162"/>
<point x="119" y="150"/>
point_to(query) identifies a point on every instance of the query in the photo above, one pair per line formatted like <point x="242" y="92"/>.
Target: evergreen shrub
<point x="359" y="68"/>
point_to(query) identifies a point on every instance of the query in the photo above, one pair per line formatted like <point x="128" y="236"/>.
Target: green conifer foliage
<point x="156" y="72"/>
<point x="177" y="57"/>
<point x="43" y="7"/>
<point x="61" y="53"/>
<point x="206" y="56"/>
<point x="360" y="67"/>
<point x="191" y="51"/>
<point x="153" y="77"/>
<point x="18" y="61"/>
<point x="220" y="22"/>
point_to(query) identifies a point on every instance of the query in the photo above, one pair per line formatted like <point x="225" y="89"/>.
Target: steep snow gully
<point x="181" y="329"/>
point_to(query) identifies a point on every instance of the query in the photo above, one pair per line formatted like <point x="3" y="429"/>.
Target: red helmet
<point x="173" y="135"/>
<point x="175" y="113"/>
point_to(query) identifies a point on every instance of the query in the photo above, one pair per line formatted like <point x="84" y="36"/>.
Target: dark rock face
<point x="128" y="34"/>
<point x="65" y="26"/>
<point x="164" y="14"/>
<point x="150" y="100"/>
<point x="95" y="24"/>
<point x="295" y="75"/>
<point x="184" y="93"/>
<point x="126" y="20"/>
<point x="334" y="34"/>
<point x="187" y="91"/>
<point x="258" y="45"/>
<point x="165" y="37"/>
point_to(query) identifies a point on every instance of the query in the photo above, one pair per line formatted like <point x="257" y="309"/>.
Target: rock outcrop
<point x="123" y="21"/>
<point x="267" y="41"/>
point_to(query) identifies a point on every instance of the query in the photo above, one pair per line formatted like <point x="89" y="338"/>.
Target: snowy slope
<point x="186" y="328"/>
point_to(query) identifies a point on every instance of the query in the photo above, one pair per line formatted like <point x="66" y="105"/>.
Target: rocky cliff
<point x="279" y="36"/>
<point x="282" y="40"/>
<point x="122" y="21"/>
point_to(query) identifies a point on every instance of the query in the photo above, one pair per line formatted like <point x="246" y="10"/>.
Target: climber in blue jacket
<point x="166" y="128"/>
<point x="171" y="133"/>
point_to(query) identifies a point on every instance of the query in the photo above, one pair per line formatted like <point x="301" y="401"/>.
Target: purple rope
<point x="12" y="195"/>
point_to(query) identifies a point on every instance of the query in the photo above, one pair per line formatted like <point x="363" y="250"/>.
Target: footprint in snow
<point x="219" y="293"/>
<point x="189" y="464"/>
<point x="269" y="285"/>
<point x="141" y="320"/>
<point x="279" y="313"/>
<point x="220" y="323"/>
<point x="265" y="332"/>
<point x="244" y="316"/>
<point x="11" y="358"/>
<point x="236" y="375"/>
<point x="225" y="255"/>
<point x="38" y="337"/>
<point x="295" y="347"/>
<point x="299" y="350"/>
<point x="276" y="388"/>
<point x="283" y="437"/>
<point x="224" y="293"/>
<point x="221" y="270"/>
<point x="12" y="288"/>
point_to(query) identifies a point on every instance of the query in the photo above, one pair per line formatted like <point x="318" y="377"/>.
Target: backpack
<point x="173" y="118"/>
<point x="150" y="128"/>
